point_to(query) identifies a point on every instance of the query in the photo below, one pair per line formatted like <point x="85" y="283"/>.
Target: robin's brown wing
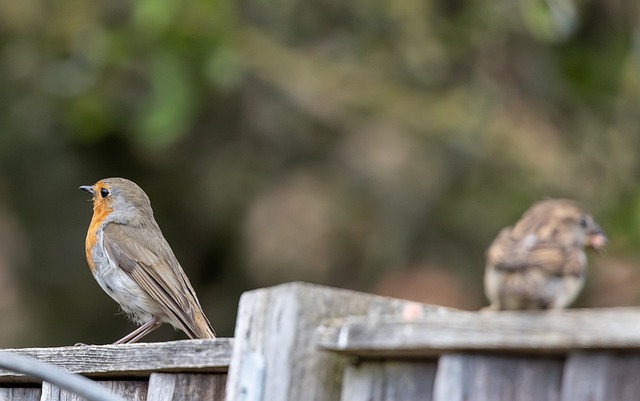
<point x="555" y="259"/>
<point x="558" y="259"/>
<point x="158" y="273"/>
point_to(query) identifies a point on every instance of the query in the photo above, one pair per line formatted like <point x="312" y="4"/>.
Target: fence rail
<point x="456" y="331"/>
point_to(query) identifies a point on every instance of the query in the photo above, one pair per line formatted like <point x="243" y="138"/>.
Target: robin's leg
<point x="141" y="331"/>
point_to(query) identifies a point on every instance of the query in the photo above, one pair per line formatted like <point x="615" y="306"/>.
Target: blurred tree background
<point x="373" y="145"/>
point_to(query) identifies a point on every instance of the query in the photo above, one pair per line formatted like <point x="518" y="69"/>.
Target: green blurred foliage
<point x="370" y="145"/>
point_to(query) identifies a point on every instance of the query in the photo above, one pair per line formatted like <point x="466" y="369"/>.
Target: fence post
<point x="275" y="357"/>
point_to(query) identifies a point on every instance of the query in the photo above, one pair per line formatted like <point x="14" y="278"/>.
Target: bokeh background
<point x="372" y="145"/>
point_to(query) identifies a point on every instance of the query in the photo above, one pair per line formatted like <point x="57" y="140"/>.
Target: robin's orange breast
<point x="100" y="213"/>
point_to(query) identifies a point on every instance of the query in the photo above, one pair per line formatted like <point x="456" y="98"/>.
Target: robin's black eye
<point x="584" y="222"/>
<point x="104" y="192"/>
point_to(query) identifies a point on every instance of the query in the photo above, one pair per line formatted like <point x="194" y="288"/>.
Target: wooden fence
<point x="305" y="342"/>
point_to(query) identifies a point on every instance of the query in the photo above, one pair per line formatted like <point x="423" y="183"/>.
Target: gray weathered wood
<point x="601" y="376"/>
<point x="389" y="381"/>
<point x="192" y="387"/>
<point x="55" y="375"/>
<point x="454" y="331"/>
<point x="305" y="342"/>
<point x="275" y="357"/>
<point x="465" y="377"/>
<point x="133" y="360"/>
<point x="20" y="394"/>
<point x="129" y="390"/>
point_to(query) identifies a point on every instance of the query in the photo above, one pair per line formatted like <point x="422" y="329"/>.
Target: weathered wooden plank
<point x="128" y="389"/>
<point x="455" y="331"/>
<point x="56" y="376"/>
<point x="20" y="394"/>
<point x="193" y="387"/>
<point x="601" y="376"/>
<point x="132" y="360"/>
<point x="469" y="377"/>
<point x="275" y="357"/>
<point x="389" y="381"/>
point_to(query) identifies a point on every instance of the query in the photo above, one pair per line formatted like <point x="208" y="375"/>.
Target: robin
<point x="540" y="261"/>
<point x="133" y="263"/>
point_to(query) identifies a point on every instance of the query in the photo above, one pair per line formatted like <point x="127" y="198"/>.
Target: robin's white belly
<point x="135" y="302"/>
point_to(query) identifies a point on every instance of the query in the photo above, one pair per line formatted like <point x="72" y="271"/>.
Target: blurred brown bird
<point x="135" y="265"/>
<point x="540" y="262"/>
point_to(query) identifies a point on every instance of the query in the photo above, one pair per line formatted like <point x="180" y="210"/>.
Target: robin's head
<point x="121" y="199"/>
<point x="565" y="215"/>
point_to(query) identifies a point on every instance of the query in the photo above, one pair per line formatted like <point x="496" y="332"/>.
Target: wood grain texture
<point x="389" y="381"/>
<point x="275" y="345"/>
<point x="193" y="387"/>
<point x="20" y="393"/>
<point x="455" y="331"/>
<point x="602" y="376"/>
<point x="467" y="377"/>
<point x="129" y="390"/>
<point x="132" y="360"/>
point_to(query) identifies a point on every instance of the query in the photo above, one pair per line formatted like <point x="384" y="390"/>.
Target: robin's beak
<point x="89" y="189"/>
<point x="597" y="240"/>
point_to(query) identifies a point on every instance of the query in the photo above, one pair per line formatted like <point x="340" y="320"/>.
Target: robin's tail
<point x="202" y="327"/>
